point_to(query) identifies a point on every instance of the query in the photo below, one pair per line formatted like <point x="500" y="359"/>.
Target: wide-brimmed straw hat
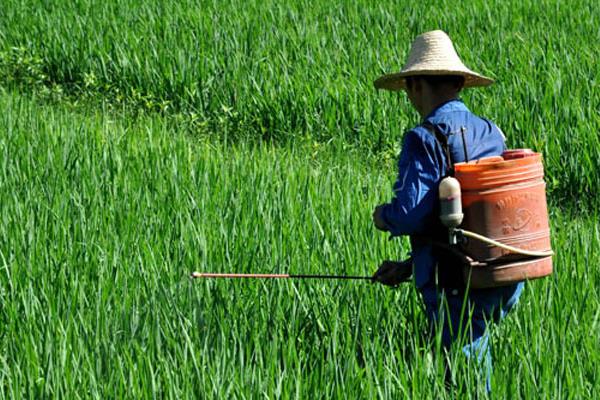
<point x="432" y="53"/>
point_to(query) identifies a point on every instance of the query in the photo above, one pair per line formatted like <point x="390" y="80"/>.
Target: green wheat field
<point x="144" y="140"/>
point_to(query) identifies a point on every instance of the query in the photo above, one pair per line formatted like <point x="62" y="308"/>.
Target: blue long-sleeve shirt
<point x="421" y="166"/>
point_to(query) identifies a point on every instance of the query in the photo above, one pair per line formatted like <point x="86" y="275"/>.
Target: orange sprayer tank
<point x="504" y="199"/>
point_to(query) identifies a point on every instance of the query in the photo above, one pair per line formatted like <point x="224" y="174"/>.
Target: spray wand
<point x="389" y="273"/>
<point x="196" y="275"/>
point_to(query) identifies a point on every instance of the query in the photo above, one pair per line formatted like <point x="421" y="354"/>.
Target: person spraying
<point x="433" y="78"/>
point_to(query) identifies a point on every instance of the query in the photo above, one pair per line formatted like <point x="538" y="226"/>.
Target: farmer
<point x="433" y="78"/>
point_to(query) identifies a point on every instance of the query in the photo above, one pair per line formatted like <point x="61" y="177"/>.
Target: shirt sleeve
<point x="416" y="189"/>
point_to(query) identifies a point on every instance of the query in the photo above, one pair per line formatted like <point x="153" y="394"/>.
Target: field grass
<point x="142" y="140"/>
<point x="102" y="219"/>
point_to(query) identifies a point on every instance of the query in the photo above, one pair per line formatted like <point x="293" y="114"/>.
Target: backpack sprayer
<point x="505" y="236"/>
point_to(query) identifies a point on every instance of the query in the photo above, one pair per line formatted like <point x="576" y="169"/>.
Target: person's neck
<point x="434" y="102"/>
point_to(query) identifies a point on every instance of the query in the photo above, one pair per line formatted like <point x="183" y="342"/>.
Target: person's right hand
<point x="392" y="273"/>
<point x="378" y="220"/>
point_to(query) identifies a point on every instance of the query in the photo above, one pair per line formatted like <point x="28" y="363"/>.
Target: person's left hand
<point x="378" y="218"/>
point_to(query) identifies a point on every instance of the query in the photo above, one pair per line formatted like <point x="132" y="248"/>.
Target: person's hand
<point x="378" y="218"/>
<point x="392" y="273"/>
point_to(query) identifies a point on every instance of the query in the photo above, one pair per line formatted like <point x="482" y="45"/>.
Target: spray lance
<point x="399" y="272"/>
<point x="196" y="275"/>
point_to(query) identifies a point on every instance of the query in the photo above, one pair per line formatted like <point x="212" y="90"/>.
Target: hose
<point x="512" y="249"/>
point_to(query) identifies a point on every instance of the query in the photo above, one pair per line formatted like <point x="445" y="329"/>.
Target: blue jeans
<point x="468" y="322"/>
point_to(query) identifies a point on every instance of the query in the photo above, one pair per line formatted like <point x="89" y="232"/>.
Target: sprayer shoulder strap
<point x="443" y="141"/>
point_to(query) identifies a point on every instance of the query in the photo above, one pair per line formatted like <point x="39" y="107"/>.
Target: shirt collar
<point x="453" y="105"/>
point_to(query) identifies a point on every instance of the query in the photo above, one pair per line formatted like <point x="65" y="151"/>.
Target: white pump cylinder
<point x="451" y="213"/>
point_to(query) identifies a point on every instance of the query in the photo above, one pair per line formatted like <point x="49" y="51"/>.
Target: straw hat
<point x="432" y="53"/>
